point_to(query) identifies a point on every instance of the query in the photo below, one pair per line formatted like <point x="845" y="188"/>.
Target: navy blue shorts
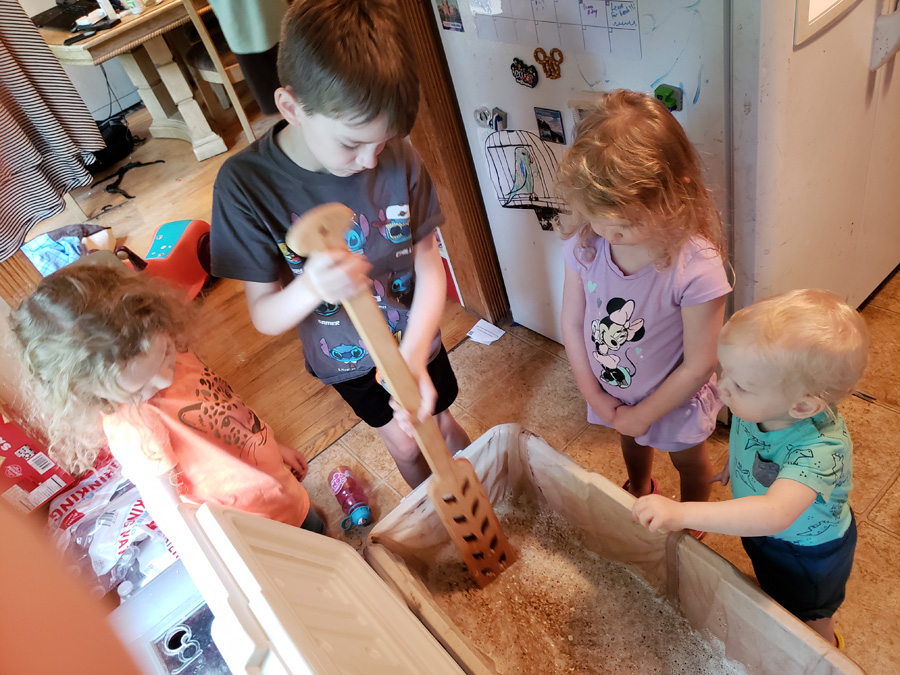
<point x="808" y="581"/>
<point x="371" y="402"/>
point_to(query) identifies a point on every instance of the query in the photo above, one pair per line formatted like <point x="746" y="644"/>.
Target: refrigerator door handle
<point x="886" y="41"/>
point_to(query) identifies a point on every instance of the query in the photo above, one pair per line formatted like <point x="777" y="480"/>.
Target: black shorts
<point x="371" y="402"/>
<point x="808" y="581"/>
<point x="313" y="523"/>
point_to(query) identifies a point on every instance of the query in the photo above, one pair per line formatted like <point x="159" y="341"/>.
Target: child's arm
<point x="702" y="324"/>
<point x="572" y="326"/>
<point x="329" y="276"/>
<point x="162" y="501"/>
<point x="723" y="476"/>
<point x="140" y="443"/>
<point x="425" y="319"/>
<point x="755" y="516"/>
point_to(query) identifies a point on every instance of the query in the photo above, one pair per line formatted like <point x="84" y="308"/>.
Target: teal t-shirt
<point x="816" y="452"/>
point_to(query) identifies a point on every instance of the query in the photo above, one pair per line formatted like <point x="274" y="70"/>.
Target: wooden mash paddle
<point x="454" y="489"/>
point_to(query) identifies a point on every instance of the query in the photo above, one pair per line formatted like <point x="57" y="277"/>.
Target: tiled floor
<point x="526" y="378"/>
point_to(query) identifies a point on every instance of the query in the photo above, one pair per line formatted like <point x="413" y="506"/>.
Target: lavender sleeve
<point x="570" y="246"/>
<point x="702" y="277"/>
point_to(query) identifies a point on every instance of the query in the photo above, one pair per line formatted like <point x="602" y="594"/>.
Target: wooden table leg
<point x="170" y="99"/>
<point x="220" y="69"/>
<point x="141" y="71"/>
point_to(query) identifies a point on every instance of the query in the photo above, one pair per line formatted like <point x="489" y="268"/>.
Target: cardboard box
<point x="28" y="477"/>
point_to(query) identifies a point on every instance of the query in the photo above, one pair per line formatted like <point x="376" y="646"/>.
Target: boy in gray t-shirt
<point x="349" y="98"/>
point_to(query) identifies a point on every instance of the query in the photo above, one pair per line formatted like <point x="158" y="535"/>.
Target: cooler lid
<point x="323" y="609"/>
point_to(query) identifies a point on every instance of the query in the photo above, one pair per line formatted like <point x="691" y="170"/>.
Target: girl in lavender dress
<point x="645" y="286"/>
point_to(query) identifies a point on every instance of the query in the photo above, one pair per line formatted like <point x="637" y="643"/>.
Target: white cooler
<point x="287" y="601"/>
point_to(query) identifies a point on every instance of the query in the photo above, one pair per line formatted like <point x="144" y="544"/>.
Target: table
<point x="144" y="54"/>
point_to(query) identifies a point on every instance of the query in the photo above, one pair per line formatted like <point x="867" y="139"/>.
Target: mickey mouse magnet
<point x="550" y="63"/>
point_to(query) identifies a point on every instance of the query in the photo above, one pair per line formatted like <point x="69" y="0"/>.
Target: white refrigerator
<point x="816" y="146"/>
<point x="799" y="142"/>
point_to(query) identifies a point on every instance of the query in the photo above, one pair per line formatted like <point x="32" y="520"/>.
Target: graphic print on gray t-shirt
<point x="260" y="192"/>
<point x="393" y="299"/>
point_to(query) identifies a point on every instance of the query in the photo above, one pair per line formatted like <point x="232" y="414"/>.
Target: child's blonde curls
<point x="74" y="334"/>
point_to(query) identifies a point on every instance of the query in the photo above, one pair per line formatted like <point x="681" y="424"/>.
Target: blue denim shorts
<point x="808" y="581"/>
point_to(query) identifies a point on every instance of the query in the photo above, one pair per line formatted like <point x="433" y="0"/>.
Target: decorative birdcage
<point x="523" y="171"/>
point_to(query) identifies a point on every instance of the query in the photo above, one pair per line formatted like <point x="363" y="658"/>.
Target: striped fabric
<point x="46" y="131"/>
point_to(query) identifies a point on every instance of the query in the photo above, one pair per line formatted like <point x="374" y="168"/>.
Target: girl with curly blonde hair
<point x="105" y="353"/>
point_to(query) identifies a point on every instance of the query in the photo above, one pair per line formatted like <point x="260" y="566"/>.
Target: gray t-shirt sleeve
<point x="241" y="247"/>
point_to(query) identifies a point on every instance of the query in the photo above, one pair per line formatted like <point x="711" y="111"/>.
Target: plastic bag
<point x="119" y="143"/>
<point x="106" y="533"/>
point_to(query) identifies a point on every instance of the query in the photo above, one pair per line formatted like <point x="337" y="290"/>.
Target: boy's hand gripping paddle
<point x="454" y="489"/>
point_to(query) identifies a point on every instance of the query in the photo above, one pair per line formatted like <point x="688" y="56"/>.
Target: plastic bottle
<point x="136" y="6"/>
<point x="350" y="496"/>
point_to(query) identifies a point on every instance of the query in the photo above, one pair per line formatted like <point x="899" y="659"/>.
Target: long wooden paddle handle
<point x="372" y="328"/>
<point x="455" y="490"/>
<point x="322" y="228"/>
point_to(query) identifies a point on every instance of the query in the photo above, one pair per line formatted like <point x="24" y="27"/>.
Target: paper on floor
<point x="485" y="333"/>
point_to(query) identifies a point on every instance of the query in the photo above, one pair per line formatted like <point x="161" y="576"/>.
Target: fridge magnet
<point x="523" y="171"/>
<point x="671" y="96"/>
<point x="550" y="125"/>
<point x="448" y="11"/>
<point x="483" y="116"/>
<point x="525" y="75"/>
<point x="498" y="120"/>
<point x="550" y="63"/>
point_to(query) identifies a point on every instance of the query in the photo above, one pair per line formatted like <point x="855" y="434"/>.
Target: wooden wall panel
<point x="439" y="137"/>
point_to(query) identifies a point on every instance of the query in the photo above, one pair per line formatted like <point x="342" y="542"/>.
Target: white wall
<point x="90" y="83"/>
<point x="816" y="155"/>
<point x="89" y="80"/>
<point x="33" y="7"/>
